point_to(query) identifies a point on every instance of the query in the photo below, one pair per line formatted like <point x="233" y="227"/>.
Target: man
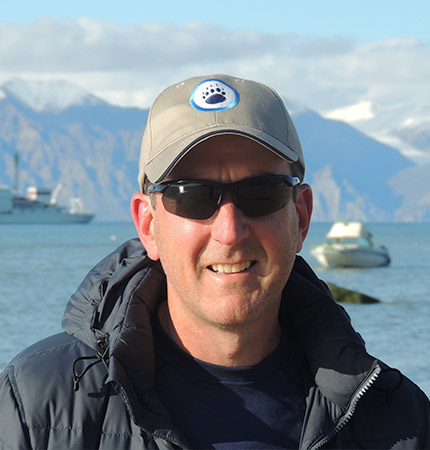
<point x="209" y="331"/>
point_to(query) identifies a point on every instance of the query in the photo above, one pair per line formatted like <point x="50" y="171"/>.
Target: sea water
<point x="41" y="266"/>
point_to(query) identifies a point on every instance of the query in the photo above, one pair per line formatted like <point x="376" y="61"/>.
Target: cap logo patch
<point x="214" y="95"/>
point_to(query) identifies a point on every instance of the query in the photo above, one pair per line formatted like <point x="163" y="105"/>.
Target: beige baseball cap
<point x="198" y="108"/>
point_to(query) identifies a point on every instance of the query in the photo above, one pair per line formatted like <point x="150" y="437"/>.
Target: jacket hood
<point x="98" y="306"/>
<point x="116" y="300"/>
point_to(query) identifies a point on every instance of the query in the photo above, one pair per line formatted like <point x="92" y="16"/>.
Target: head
<point x="225" y="261"/>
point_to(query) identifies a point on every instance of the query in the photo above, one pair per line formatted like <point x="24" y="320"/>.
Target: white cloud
<point x="129" y="65"/>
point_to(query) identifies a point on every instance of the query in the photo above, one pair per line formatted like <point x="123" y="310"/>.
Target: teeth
<point x="231" y="268"/>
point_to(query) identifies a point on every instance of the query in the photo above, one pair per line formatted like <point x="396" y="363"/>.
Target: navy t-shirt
<point x="229" y="408"/>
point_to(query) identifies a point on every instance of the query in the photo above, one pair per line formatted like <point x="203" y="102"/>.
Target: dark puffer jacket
<point x="91" y="387"/>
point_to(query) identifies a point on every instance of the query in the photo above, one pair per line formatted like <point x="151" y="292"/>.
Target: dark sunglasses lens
<point x="190" y="200"/>
<point x="261" y="197"/>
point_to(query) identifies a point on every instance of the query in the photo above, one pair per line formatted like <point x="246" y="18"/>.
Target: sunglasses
<point x="199" y="199"/>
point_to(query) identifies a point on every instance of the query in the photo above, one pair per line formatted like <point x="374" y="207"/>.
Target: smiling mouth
<point x="231" y="268"/>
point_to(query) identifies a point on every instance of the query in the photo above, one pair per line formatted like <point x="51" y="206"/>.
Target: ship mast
<point x="16" y="181"/>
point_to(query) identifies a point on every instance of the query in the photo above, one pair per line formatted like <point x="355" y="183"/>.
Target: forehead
<point x="229" y="152"/>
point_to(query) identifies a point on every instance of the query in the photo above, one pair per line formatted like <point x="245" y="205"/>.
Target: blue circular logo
<point x="214" y="95"/>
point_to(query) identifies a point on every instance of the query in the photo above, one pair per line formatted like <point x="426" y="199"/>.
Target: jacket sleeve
<point x="13" y="430"/>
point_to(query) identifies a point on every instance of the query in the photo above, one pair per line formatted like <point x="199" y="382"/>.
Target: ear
<point x="143" y="218"/>
<point x="304" y="211"/>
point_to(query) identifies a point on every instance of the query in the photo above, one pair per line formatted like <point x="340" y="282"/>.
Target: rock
<point x="343" y="295"/>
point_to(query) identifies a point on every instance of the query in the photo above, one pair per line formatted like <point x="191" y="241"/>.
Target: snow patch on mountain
<point x="48" y="96"/>
<point x="359" y="111"/>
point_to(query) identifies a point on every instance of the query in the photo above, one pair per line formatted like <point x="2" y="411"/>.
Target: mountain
<point x="405" y="128"/>
<point x="349" y="171"/>
<point x="63" y="134"/>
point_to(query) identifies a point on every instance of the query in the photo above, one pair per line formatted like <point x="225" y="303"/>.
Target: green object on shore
<point x="343" y="295"/>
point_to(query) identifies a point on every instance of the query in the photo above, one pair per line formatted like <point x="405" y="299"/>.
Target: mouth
<point x="231" y="268"/>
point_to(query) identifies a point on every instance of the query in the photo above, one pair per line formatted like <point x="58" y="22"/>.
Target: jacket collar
<point x="335" y="353"/>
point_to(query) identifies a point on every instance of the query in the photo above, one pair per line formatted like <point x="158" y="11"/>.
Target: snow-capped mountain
<point x="406" y="129"/>
<point x="48" y="96"/>
<point x="63" y="134"/>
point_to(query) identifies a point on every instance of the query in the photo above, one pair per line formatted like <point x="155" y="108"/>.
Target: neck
<point x="235" y="347"/>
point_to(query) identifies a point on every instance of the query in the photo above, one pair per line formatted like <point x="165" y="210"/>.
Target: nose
<point x="230" y="226"/>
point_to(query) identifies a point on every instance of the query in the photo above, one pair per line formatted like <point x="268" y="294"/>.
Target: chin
<point x="238" y="314"/>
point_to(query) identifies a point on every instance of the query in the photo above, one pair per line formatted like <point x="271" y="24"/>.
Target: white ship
<point x="39" y="207"/>
<point x="349" y="244"/>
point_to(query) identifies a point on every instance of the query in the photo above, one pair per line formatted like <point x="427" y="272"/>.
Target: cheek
<point x="280" y="235"/>
<point x="176" y="237"/>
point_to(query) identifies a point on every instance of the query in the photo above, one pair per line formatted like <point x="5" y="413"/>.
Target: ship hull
<point x="47" y="218"/>
<point x="336" y="256"/>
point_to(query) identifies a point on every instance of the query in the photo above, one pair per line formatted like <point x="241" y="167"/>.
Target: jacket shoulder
<point x="45" y="347"/>
<point x="43" y="371"/>
<point x="36" y="392"/>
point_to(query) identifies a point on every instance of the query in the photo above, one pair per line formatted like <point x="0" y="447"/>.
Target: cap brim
<point x="157" y="169"/>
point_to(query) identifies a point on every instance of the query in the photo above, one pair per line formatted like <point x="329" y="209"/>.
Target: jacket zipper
<point x="361" y="390"/>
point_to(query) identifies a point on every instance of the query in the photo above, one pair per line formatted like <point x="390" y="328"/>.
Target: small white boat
<point x="349" y="244"/>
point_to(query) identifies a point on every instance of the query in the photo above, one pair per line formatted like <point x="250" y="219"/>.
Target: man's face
<point x="228" y="270"/>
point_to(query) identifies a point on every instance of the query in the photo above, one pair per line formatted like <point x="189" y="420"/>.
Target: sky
<point x="345" y="59"/>
<point x="364" y="20"/>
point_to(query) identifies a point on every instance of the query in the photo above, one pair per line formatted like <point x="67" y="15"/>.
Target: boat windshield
<point x="362" y="242"/>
